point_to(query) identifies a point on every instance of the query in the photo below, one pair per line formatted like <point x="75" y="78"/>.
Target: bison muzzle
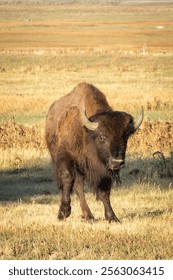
<point x="87" y="141"/>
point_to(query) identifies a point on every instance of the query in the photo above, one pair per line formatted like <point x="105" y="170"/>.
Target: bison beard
<point x="87" y="142"/>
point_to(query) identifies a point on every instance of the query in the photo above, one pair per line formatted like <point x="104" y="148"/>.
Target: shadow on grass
<point x="148" y="214"/>
<point x="26" y="183"/>
<point x="36" y="184"/>
<point x="148" y="171"/>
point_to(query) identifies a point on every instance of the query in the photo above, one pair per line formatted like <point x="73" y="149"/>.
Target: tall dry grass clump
<point x="14" y="135"/>
<point x="153" y="136"/>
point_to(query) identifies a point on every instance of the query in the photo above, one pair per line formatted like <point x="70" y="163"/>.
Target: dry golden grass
<point x="128" y="81"/>
<point x="145" y="232"/>
<point x="133" y="67"/>
<point x="64" y="26"/>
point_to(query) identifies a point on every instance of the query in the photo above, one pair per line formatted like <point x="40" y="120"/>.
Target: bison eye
<point x="103" y="137"/>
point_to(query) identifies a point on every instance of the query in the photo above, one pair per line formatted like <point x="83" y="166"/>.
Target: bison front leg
<point x="104" y="196"/>
<point x="79" y="188"/>
<point x="66" y="183"/>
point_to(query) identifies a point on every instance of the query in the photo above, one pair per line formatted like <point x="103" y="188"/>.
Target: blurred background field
<point x="124" y="50"/>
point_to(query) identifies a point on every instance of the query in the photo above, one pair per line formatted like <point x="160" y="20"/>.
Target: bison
<point x="87" y="141"/>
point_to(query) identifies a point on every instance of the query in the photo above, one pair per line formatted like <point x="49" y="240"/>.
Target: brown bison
<point x="87" y="141"/>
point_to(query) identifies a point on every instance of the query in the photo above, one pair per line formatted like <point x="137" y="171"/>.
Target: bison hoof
<point x="88" y="217"/>
<point x="112" y="218"/>
<point x="64" y="213"/>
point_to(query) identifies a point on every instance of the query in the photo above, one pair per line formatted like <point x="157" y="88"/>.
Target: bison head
<point x="110" y="132"/>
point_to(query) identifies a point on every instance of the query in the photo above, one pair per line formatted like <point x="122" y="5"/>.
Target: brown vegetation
<point x="153" y="136"/>
<point x="14" y="135"/>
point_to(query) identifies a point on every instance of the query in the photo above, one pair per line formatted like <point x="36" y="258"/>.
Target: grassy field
<point x="45" y="50"/>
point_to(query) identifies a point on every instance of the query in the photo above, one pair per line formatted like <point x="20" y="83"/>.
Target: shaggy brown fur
<point x="79" y="153"/>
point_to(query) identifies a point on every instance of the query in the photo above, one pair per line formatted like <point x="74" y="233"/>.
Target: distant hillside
<point x="101" y="2"/>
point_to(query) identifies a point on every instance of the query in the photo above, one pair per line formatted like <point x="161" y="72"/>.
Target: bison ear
<point x="86" y="122"/>
<point x="140" y="120"/>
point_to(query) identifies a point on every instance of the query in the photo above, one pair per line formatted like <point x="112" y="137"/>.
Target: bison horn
<point x="140" y="120"/>
<point x="86" y="122"/>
